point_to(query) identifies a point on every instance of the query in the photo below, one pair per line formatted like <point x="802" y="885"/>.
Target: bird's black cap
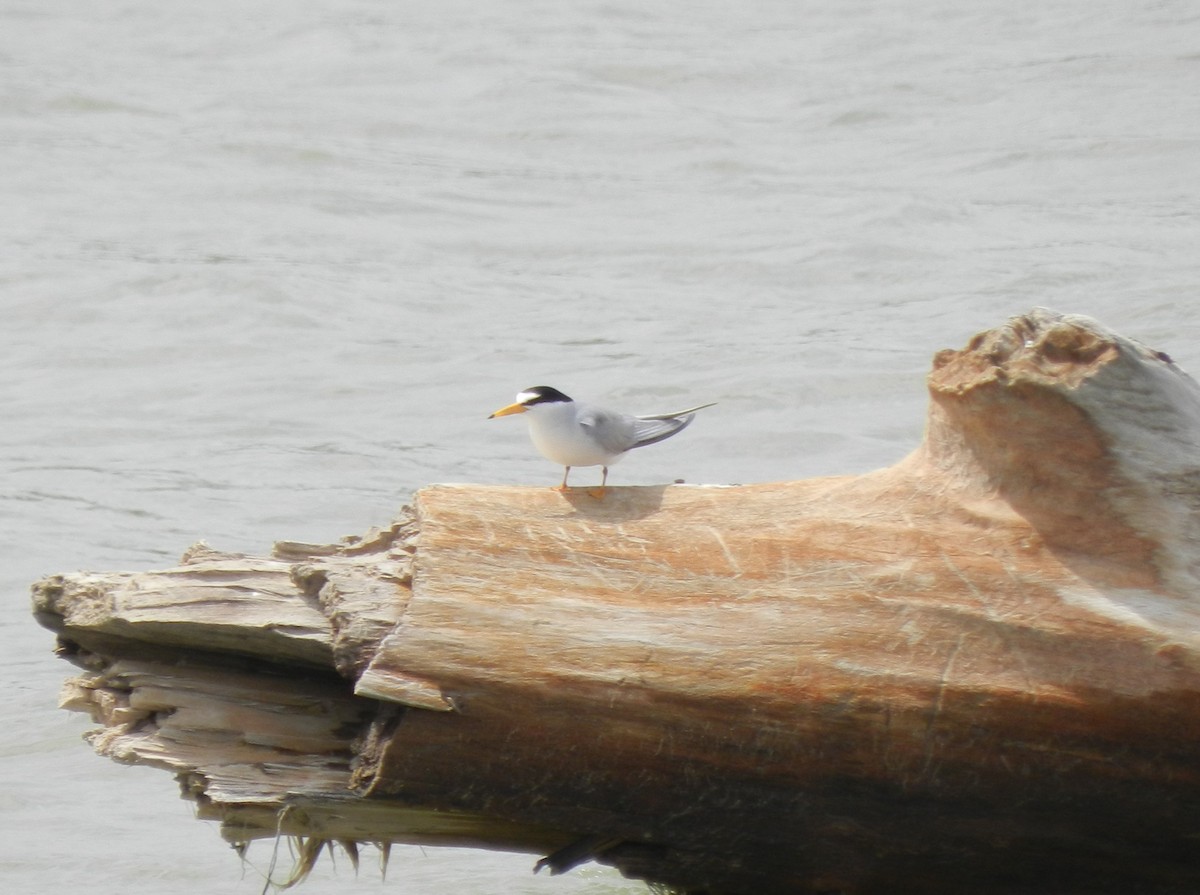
<point x="541" y="394"/>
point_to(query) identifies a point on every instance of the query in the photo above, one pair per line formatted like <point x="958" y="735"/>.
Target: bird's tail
<point x="677" y="413"/>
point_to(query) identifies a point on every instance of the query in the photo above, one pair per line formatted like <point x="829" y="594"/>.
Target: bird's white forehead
<point x="526" y="397"/>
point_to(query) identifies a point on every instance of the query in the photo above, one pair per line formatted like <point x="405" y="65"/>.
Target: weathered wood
<point x="223" y="671"/>
<point x="978" y="670"/>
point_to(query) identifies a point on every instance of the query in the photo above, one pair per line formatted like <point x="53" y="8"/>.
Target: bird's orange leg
<point x="598" y="493"/>
<point x="563" y="486"/>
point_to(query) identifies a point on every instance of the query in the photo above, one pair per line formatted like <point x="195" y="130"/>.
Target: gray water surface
<point x="267" y="267"/>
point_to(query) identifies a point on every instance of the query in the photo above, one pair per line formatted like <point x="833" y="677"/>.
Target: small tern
<point x="574" y="434"/>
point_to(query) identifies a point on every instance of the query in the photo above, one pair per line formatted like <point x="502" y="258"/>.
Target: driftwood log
<point x="975" y="671"/>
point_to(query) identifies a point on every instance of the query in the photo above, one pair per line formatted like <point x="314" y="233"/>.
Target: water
<point x="267" y="267"/>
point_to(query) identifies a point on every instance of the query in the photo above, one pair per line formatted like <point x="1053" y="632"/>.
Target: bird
<point x="572" y="433"/>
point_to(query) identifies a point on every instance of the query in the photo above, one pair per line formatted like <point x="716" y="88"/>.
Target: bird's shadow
<point x="620" y="504"/>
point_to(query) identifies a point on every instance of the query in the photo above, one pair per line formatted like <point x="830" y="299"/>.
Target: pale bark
<point x="977" y="670"/>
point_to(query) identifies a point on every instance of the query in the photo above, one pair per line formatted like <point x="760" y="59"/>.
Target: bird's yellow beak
<point x="510" y="409"/>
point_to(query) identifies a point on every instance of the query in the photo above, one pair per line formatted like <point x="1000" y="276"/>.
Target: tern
<point x="571" y="433"/>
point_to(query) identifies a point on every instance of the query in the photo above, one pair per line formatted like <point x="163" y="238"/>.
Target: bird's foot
<point x="597" y="493"/>
<point x="561" y="489"/>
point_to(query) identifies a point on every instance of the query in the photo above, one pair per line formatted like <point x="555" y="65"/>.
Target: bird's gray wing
<point x="615" y="432"/>
<point x="649" y="430"/>
<point x="660" y="426"/>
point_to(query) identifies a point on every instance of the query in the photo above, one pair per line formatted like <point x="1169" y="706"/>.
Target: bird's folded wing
<point x="614" y="432"/>
<point x="658" y="426"/>
<point x="649" y="431"/>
